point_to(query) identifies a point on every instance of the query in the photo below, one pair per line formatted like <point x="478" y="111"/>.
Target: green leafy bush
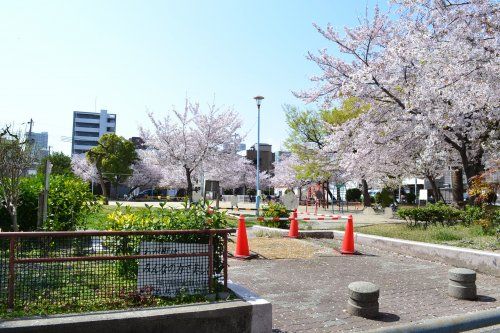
<point x="70" y="201"/>
<point x="353" y="194"/>
<point x="410" y="198"/>
<point x="27" y="212"/>
<point x="195" y="217"/>
<point x="431" y="214"/>
<point x="472" y="214"/>
<point x="275" y="210"/>
<point x="384" y="198"/>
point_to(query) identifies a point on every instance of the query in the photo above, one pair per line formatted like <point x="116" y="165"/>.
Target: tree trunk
<point x="103" y="188"/>
<point x="366" y="195"/>
<point x="437" y="192"/>
<point x="471" y="167"/>
<point x="189" y="189"/>
<point x="13" y="217"/>
<point x="457" y="186"/>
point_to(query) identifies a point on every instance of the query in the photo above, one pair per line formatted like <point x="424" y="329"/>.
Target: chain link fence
<point x="37" y="267"/>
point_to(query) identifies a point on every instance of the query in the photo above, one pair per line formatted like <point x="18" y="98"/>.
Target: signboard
<point x="234" y="201"/>
<point x="290" y="201"/>
<point x="168" y="276"/>
<point x="422" y="195"/>
<point x="196" y="196"/>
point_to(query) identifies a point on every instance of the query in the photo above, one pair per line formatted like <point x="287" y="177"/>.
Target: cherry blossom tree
<point x="187" y="141"/>
<point x="146" y="173"/>
<point x="285" y="173"/>
<point x="433" y="70"/>
<point x="83" y="168"/>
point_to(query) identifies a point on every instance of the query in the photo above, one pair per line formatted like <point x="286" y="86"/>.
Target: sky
<point x="135" y="57"/>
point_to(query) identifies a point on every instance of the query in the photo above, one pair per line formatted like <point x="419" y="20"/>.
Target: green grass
<point x="458" y="235"/>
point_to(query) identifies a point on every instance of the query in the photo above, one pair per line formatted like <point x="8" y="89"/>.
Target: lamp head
<point x="258" y="99"/>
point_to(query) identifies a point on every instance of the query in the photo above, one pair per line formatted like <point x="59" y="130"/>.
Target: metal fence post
<point x="224" y="254"/>
<point x="210" y="262"/>
<point x="12" y="273"/>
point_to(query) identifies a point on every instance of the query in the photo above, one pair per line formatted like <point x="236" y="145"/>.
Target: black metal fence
<point x="37" y="267"/>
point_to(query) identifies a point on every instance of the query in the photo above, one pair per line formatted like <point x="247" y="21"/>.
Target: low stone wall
<point x="480" y="261"/>
<point x="251" y="314"/>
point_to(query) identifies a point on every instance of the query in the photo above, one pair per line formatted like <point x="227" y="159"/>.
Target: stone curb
<point x="457" y="323"/>
<point x="262" y="311"/>
<point x="302" y="233"/>
<point x="480" y="261"/>
<point x="477" y="260"/>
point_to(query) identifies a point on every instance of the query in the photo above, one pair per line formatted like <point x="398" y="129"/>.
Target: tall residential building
<point x="88" y="127"/>
<point x="40" y="143"/>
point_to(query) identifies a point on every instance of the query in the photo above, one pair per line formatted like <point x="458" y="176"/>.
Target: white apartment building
<point x="88" y="127"/>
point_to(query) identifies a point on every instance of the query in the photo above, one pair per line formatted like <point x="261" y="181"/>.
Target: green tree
<point x="61" y="164"/>
<point x="309" y="132"/>
<point x="113" y="157"/>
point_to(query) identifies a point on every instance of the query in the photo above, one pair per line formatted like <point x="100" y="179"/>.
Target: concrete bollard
<point x="462" y="283"/>
<point x="363" y="299"/>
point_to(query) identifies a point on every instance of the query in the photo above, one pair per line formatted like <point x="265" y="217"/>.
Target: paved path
<point x="310" y="295"/>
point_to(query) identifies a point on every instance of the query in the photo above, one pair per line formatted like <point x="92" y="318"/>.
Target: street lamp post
<point x="258" y="99"/>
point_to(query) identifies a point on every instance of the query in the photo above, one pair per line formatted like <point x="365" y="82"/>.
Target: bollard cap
<point x="363" y="291"/>
<point x="462" y="275"/>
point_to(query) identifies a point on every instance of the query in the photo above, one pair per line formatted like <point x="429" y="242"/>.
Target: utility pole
<point x="44" y="196"/>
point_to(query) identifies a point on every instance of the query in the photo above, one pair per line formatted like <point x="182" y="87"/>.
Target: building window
<point x="110" y="129"/>
<point x="89" y="134"/>
<point x="79" y="151"/>
<point x="87" y="116"/>
<point x="85" y="143"/>
<point x="86" y="125"/>
<point x="111" y="120"/>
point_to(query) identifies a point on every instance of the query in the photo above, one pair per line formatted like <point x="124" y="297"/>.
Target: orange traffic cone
<point x="242" y="250"/>
<point x="348" y="241"/>
<point x="294" y="227"/>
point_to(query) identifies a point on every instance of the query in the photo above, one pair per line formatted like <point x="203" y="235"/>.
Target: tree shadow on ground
<point x="277" y="330"/>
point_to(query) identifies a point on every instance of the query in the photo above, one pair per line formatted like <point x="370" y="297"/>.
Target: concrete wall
<point x="251" y="314"/>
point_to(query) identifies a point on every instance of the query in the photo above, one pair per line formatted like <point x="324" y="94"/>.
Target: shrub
<point x="472" y="214"/>
<point x="489" y="220"/>
<point x="353" y="194"/>
<point x="480" y="191"/>
<point x="70" y="201"/>
<point x="410" y="198"/>
<point x="276" y="211"/>
<point x="431" y="214"/>
<point x="195" y="217"/>
<point x="384" y="198"/>
<point x="27" y="211"/>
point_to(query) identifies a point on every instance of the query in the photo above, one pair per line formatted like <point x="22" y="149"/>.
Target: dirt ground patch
<point x="281" y="248"/>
